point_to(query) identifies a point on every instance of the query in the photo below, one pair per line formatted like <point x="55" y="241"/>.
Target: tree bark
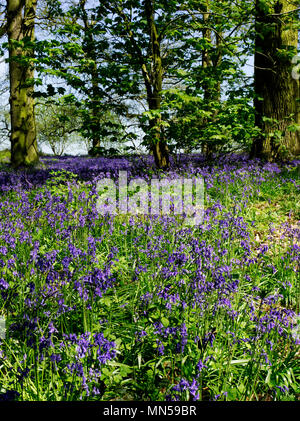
<point x="20" y="30"/>
<point x="158" y="143"/>
<point x="152" y="71"/>
<point x="276" y="92"/>
<point x="212" y="90"/>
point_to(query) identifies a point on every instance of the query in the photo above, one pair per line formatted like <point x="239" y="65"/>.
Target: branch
<point x="3" y="30"/>
<point x="284" y="13"/>
<point x="160" y="36"/>
<point x="140" y="55"/>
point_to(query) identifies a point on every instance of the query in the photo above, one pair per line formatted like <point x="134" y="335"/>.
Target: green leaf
<point x="165" y="321"/>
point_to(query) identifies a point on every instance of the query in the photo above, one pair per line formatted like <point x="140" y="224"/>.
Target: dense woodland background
<point x="160" y="76"/>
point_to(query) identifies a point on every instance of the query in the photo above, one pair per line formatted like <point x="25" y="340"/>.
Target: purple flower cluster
<point x="85" y="366"/>
<point x="182" y="388"/>
<point x="189" y="293"/>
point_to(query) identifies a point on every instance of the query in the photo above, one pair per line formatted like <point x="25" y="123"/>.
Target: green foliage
<point x="103" y="54"/>
<point x="56" y="122"/>
<point x="102" y="151"/>
<point x="4" y="155"/>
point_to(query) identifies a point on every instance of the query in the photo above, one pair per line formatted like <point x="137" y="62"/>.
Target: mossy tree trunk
<point x="276" y="92"/>
<point x="20" y="31"/>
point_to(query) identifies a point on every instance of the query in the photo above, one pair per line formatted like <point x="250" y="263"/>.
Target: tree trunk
<point x="90" y="52"/>
<point x="20" y="28"/>
<point x="159" y="146"/>
<point x="158" y="143"/>
<point x="95" y="114"/>
<point x="276" y="92"/>
<point x="212" y="89"/>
